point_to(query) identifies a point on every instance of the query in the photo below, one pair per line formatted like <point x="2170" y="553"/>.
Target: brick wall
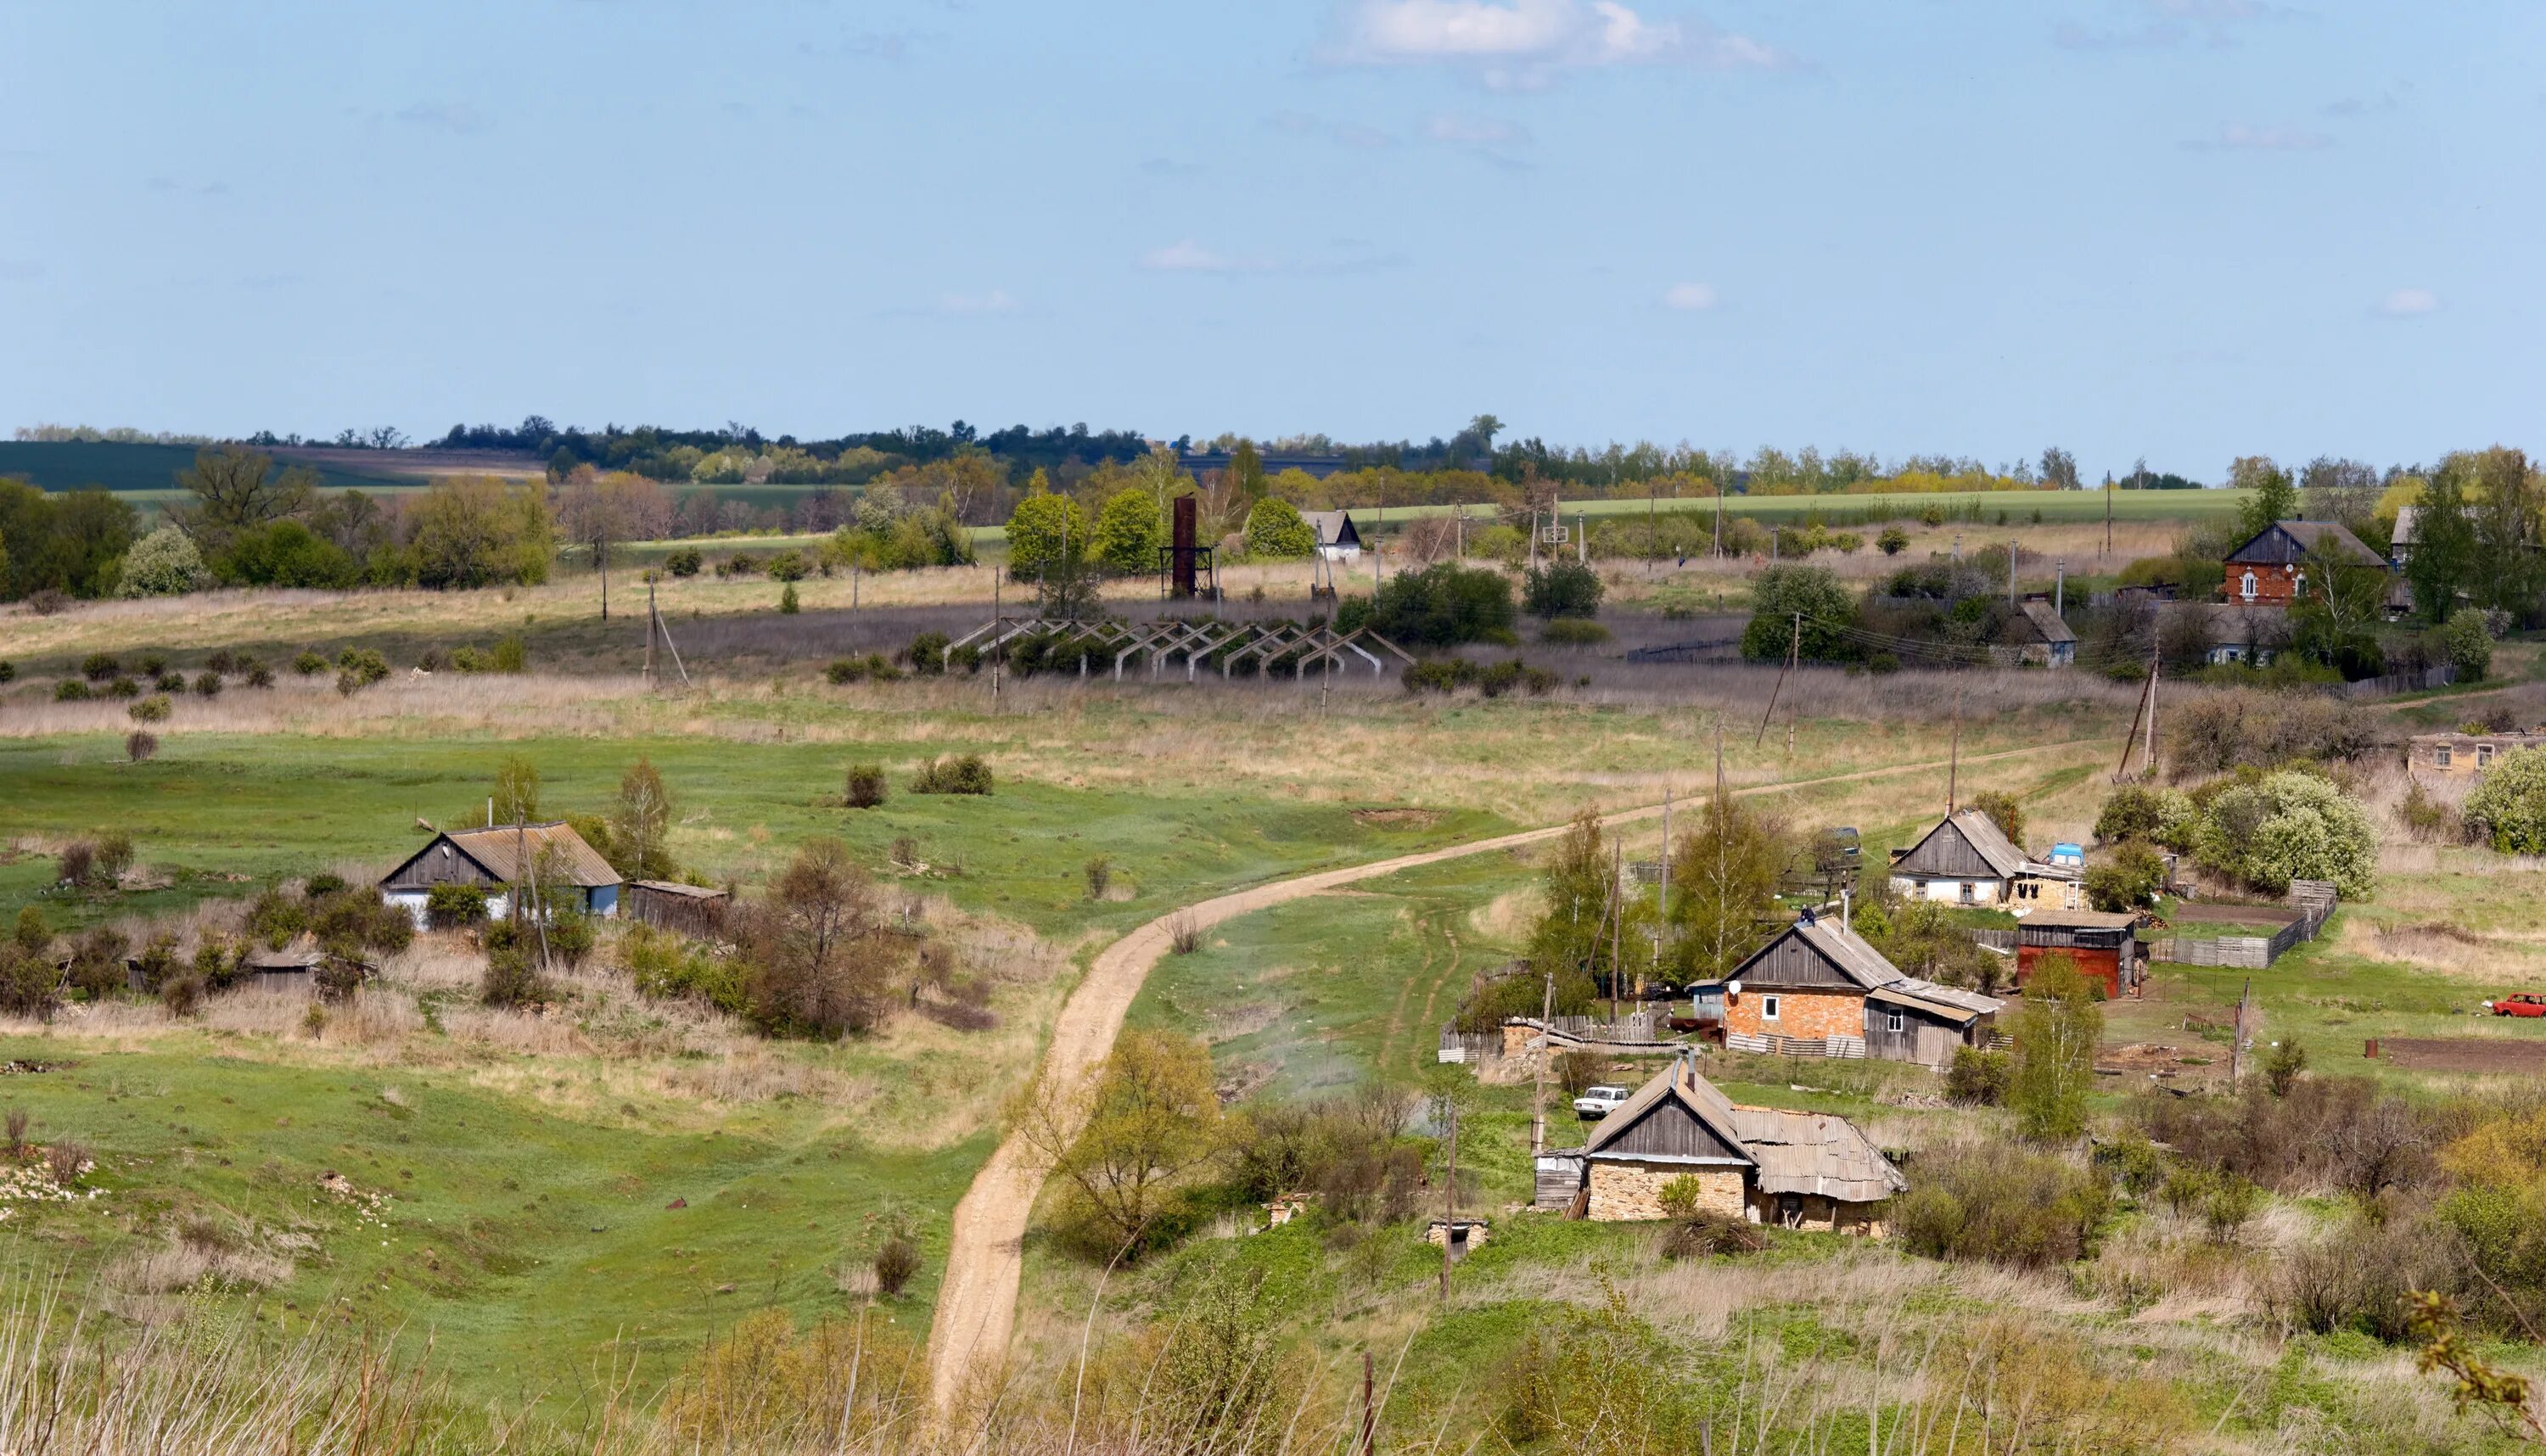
<point x="1625" y="1191"/>
<point x="1799" y="1013"/>
<point x="1863" y="1220"/>
<point x="2276" y="585"/>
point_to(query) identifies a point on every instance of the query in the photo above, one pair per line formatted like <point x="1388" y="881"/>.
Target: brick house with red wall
<point x="2270" y="568"/>
<point x="1822" y="984"/>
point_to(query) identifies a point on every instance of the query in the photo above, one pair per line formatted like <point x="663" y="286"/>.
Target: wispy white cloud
<point x="2389" y="100"/>
<point x="2410" y="303"/>
<point x="1456" y="130"/>
<point x="458" y="118"/>
<point x="996" y="301"/>
<point x="2239" y="136"/>
<point x="1525" y="42"/>
<point x="1189" y="256"/>
<point x="1688" y="297"/>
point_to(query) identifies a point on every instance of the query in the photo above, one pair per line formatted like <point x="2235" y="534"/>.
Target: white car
<point x="1600" y="1101"/>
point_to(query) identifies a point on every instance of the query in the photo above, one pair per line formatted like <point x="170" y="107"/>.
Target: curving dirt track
<point x="976" y="1304"/>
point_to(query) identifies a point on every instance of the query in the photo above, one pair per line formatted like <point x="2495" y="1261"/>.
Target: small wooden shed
<point x="2106" y="946"/>
<point x="690" y="909"/>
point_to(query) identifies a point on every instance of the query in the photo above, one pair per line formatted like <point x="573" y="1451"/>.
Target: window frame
<point x="1769" y="1005"/>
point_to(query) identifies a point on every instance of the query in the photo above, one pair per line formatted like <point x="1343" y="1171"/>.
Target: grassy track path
<point x="976" y="1304"/>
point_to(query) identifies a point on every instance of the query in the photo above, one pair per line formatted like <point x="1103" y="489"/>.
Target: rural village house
<point x="2047" y="640"/>
<point x="2236" y="632"/>
<point x="2271" y="565"/>
<point x="1968" y="860"/>
<point x="1338" y="540"/>
<point x="570" y="871"/>
<point x="1765" y="1164"/>
<point x="1823" y="984"/>
<point x="2464" y="755"/>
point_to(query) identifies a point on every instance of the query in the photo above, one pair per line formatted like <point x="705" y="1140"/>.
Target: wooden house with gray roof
<point x="1968" y="860"/>
<point x="1763" y="1164"/>
<point x="1820" y="987"/>
<point x="567" y="871"/>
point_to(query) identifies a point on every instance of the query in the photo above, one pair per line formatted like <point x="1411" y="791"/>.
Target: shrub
<point x="2217" y="732"/>
<point x="928" y="653"/>
<point x="845" y="670"/>
<point x="896" y="1260"/>
<point x="7" y="670"/>
<point x="1699" y="1234"/>
<point x="2468" y="640"/>
<point x="2509" y="809"/>
<point x="359" y="668"/>
<point x="511" y="655"/>
<point x="455" y="906"/>
<point x="154" y="708"/>
<point x="71" y="690"/>
<point x="1782" y="594"/>
<point x="1276" y="532"/>
<point x="98" y="667"/>
<point x="308" y="664"/>
<point x="741" y="563"/>
<point x="1997" y="1203"/>
<point x="114" y="856"/>
<point x="209" y="685"/>
<point x="322" y="885"/>
<point x="1442" y="605"/>
<point x="788" y="606"/>
<point x="512" y="976"/>
<point x="1573" y="632"/>
<point x="1892" y="542"/>
<point x="2283" y="1064"/>
<point x="685" y="562"/>
<point x="963" y="774"/>
<point x="2295" y="826"/>
<point x="866" y="788"/>
<point x="2160" y="815"/>
<point x="67" y="1160"/>
<point x="171" y="683"/>
<point x="788" y="565"/>
<point x="2130" y="878"/>
<point x="1562" y="589"/>
<point x="140" y="745"/>
<point x="1184" y="935"/>
<point x="966" y="658"/>
<point x="223" y="661"/>
<point x="29" y="985"/>
<point x="666" y="967"/>
<point x="1579" y="1071"/>
<point x="77" y="865"/>
<point x="124" y="687"/>
<point x="47" y="602"/>
<point x="258" y="675"/>
<point x="1100" y="875"/>
<point x="1979" y="1079"/>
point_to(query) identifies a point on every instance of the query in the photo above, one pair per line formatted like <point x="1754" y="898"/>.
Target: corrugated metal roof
<point x="1847" y="952"/>
<point x="1950" y="1002"/>
<point x="670" y="886"/>
<point x="500" y="851"/>
<point x="2324" y="538"/>
<point x="1816" y="1152"/>
<point x="2081" y="919"/>
<point x="2047" y="622"/>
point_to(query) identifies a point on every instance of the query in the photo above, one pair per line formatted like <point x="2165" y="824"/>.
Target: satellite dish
<point x="1733" y="988"/>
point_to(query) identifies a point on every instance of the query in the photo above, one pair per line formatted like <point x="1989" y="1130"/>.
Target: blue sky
<point x="2189" y="228"/>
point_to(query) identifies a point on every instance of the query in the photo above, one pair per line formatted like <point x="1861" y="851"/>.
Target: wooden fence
<point x="2314" y="901"/>
<point x="2401" y="682"/>
<point x="1852" y="1047"/>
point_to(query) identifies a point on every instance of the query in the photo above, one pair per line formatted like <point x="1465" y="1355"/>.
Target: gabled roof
<point x="554" y="849"/>
<point x="2237" y="624"/>
<point x="1972" y="828"/>
<point x="1794" y="1152"/>
<point x="2288" y="542"/>
<point x="1676" y="1083"/>
<point x="1945" y="1002"/>
<point x="1846" y="954"/>
<point x="2408" y="521"/>
<point x="1816" y="1152"/>
<point x="1333" y="527"/>
<point x="2081" y="920"/>
<point x="2047" y="623"/>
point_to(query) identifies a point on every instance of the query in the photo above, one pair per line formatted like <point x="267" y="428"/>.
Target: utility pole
<point x="1617" y="917"/>
<point x="1533" y="538"/>
<point x="1581" y="539"/>
<point x="1450" y="1194"/>
<point x="2237" y="1043"/>
<point x="1793" y="655"/>
<point x="2010" y="575"/>
<point x="1000" y="642"/>
<point x="1369" y="1411"/>
<point x="2108" y="513"/>
<point x="649" y="637"/>
<point x="853" y="583"/>
<point x="1546" y="1054"/>
<point x="1954" y="760"/>
<point x="2060" y="588"/>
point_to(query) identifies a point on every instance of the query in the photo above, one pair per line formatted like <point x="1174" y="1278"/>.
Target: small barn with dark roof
<point x="569" y="871"/>
<point x="2106" y="946"/>
<point x="1967" y="859"/>
<point x="2047" y="640"/>
<point x="1762" y="1165"/>
<point x="1338" y="538"/>
<point x="2269" y="566"/>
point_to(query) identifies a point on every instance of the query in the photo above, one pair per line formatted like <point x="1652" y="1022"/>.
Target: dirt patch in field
<point x="1396" y="818"/>
<point x="2464" y="1053"/>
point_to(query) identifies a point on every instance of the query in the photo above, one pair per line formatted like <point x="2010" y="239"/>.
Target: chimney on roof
<point x="1843" y="912"/>
<point x="490" y="811"/>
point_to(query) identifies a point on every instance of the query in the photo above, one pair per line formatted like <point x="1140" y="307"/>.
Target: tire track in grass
<point x="976" y="1302"/>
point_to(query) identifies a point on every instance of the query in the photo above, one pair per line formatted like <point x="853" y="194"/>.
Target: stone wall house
<point x="1761" y="1164"/>
<point x="2464" y="755"/>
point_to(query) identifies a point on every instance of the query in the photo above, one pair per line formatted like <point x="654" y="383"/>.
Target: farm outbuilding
<point x="1761" y="1164"/>
<point x="691" y="909"/>
<point x="569" y="871"/>
<point x="2106" y="946"/>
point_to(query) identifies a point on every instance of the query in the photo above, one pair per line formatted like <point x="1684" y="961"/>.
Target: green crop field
<point x="146" y="473"/>
<point x="2004" y="507"/>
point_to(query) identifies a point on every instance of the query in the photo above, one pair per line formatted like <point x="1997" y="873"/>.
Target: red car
<point x="2520" y="1003"/>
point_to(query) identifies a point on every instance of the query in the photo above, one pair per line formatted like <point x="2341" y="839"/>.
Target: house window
<point x="2483" y="756"/>
<point x="1893" y="1022"/>
<point x="2442" y="756"/>
<point x="1971" y="893"/>
<point x="1767" y="1009"/>
<point x="2246" y="586"/>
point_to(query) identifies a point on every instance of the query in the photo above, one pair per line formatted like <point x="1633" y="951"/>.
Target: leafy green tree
<point x="2507" y="810"/>
<point x="2055" y="1026"/>
<point x="235" y="488"/>
<point x="2443" y="565"/>
<point x="640" y="825"/>
<point x="2290" y="825"/>
<point x="1276" y="532"/>
<point x="2276" y="498"/>
<point x="2469" y="641"/>
<point x="1725" y="873"/>
<point x="470" y="531"/>
<point x="2005" y="811"/>
<point x="285" y="553"/>
<point x="1121" y="1141"/>
<point x="163" y="563"/>
<point x="517" y="790"/>
<point x="1782" y="594"/>
<point x="2160" y="815"/>
<point x="2129" y="878"/>
<point x="1039" y="531"/>
<point x="1129" y="532"/>
<point x="2506" y="502"/>
<point x="1576" y="886"/>
<point x="1246" y="478"/>
<point x="69" y="541"/>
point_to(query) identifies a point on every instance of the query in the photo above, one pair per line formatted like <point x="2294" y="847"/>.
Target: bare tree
<point x="823" y="952"/>
<point x="235" y="489"/>
<point x="2343" y="490"/>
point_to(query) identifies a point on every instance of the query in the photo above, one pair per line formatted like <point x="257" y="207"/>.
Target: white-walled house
<point x="1968" y="860"/>
<point x="570" y="871"/>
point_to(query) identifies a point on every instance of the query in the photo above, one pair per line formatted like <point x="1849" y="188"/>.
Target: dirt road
<point x="976" y="1305"/>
